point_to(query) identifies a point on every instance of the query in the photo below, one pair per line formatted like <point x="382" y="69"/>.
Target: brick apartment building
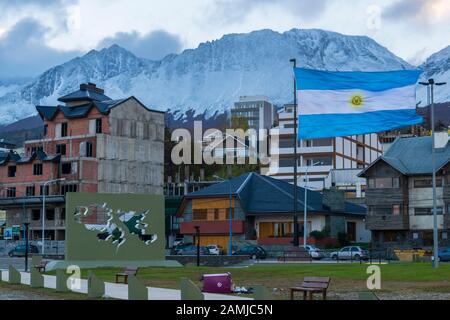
<point x="95" y="144"/>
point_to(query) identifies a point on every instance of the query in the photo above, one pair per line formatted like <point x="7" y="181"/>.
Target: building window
<point x="286" y="162"/>
<point x="30" y="191"/>
<point x="89" y="149"/>
<point x="62" y="214"/>
<point x="11" y="192"/>
<point x="61" y="149"/>
<point x="47" y="190"/>
<point x="396" y="209"/>
<point x="12" y="171"/>
<point x="427" y="211"/>
<point x="64" y="129"/>
<point x="45" y="130"/>
<point x="36" y="149"/>
<point x="66" y="168"/>
<point x="50" y="214"/>
<point x="319" y="161"/>
<point x="133" y="129"/>
<point x="448" y="208"/>
<point x="427" y="183"/>
<point x="68" y="188"/>
<point x="384" y="183"/>
<point x="37" y="169"/>
<point x="199" y="214"/>
<point x="35" y="214"/>
<point x="98" y="126"/>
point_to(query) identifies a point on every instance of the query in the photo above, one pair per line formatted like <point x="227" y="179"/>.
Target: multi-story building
<point x="258" y="111"/>
<point x="94" y="144"/>
<point x="318" y="156"/>
<point x="400" y="194"/>
<point x="347" y="180"/>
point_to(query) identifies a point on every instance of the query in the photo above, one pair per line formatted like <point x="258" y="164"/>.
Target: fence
<point x="333" y="255"/>
<point x="52" y="247"/>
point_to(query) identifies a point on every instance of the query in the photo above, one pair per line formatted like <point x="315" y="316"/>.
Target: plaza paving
<point x="120" y="291"/>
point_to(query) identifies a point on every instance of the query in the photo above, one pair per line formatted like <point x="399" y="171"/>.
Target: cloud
<point x="230" y="11"/>
<point x="23" y="51"/>
<point x="58" y="10"/>
<point x="14" y="4"/>
<point x="419" y="11"/>
<point x="154" y="45"/>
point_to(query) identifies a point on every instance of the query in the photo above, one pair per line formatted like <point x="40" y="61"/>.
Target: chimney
<point x="91" y="87"/>
<point x="441" y="139"/>
<point x="334" y="199"/>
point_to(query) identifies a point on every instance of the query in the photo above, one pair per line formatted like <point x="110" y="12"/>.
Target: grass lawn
<point x="395" y="277"/>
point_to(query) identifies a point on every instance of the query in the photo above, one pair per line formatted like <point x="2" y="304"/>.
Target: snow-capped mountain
<point x="437" y="66"/>
<point x="207" y="79"/>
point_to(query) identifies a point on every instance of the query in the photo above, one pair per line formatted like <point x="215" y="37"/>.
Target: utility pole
<point x="295" y="240"/>
<point x="430" y="91"/>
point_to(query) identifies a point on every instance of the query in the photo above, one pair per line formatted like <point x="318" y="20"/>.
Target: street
<point x="18" y="263"/>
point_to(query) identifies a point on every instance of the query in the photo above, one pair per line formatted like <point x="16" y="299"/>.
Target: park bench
<point x="312" y="285"/>
<point x="129" y="271"/>
<point x="41" y="266"/>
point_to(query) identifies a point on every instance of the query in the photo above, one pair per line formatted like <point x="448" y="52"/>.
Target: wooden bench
<point x="312" y="285"/>
<point x="127" y="272"/>
<point x="41" y="266"/>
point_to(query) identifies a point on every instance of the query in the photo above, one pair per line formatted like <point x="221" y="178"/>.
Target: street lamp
<point x="430" y="94"/>
<point x="295" y="240"/>
<point x="44" y="193"/>
<point x="230" y="241"/>
<point x="197" y="233"/>
<point x="305" y="209"/>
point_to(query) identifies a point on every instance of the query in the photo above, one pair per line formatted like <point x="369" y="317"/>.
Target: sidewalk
<point x="120" y="291"/>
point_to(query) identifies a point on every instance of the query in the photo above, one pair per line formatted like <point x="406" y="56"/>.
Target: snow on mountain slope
<point x="437" y="66"/>
<point x="207" y="79"/>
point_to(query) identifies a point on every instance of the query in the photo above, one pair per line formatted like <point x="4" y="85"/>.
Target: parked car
<point x="177" y="242"/>
<point x="444" y="254"/>
<point x="351" y="252"/>
<point x="191" y="250"/>
<point x="180" y="246"/>
<point x="255" y="252"/>
<point x="215" y="249"/>
<point x="19" y="251"/>
<point x="314" y="252"/>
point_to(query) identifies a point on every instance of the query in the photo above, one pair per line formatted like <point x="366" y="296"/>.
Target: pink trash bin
<point x="217" y="283"/>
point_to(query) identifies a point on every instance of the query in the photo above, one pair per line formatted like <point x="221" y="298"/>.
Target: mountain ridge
<point x="206" y="80"/>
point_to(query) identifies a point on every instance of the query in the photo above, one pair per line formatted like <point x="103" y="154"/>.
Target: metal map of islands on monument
<point x="112" y="226"/>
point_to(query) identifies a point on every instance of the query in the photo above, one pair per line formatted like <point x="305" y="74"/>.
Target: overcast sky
<point x="38" y="34"/>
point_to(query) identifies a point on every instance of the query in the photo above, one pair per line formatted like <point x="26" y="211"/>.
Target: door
<point x="351" y="231"/>
<point x="345" y="253"/>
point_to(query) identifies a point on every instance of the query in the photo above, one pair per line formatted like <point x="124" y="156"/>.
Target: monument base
<point x="54" y="265"/>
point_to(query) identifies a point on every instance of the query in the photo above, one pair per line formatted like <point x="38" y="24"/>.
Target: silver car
<point x="314" y="252"/>
<point x="350" y="253"/>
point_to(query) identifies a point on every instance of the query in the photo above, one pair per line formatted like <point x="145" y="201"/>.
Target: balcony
<point x="212" y="227"/>
<point x="447" y="220"/>
<point x="387" y="222"/>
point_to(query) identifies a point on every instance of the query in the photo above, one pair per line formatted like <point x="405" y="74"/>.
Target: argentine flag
<point x="335" y="104"/>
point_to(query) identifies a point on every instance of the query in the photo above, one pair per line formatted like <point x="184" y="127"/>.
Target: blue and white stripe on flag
<point x="335" y="104"/>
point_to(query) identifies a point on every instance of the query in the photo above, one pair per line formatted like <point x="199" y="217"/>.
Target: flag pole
<point x="295" y="240"/>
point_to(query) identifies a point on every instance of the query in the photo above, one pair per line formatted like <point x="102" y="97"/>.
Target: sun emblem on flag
<point x="357" y="100"/>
